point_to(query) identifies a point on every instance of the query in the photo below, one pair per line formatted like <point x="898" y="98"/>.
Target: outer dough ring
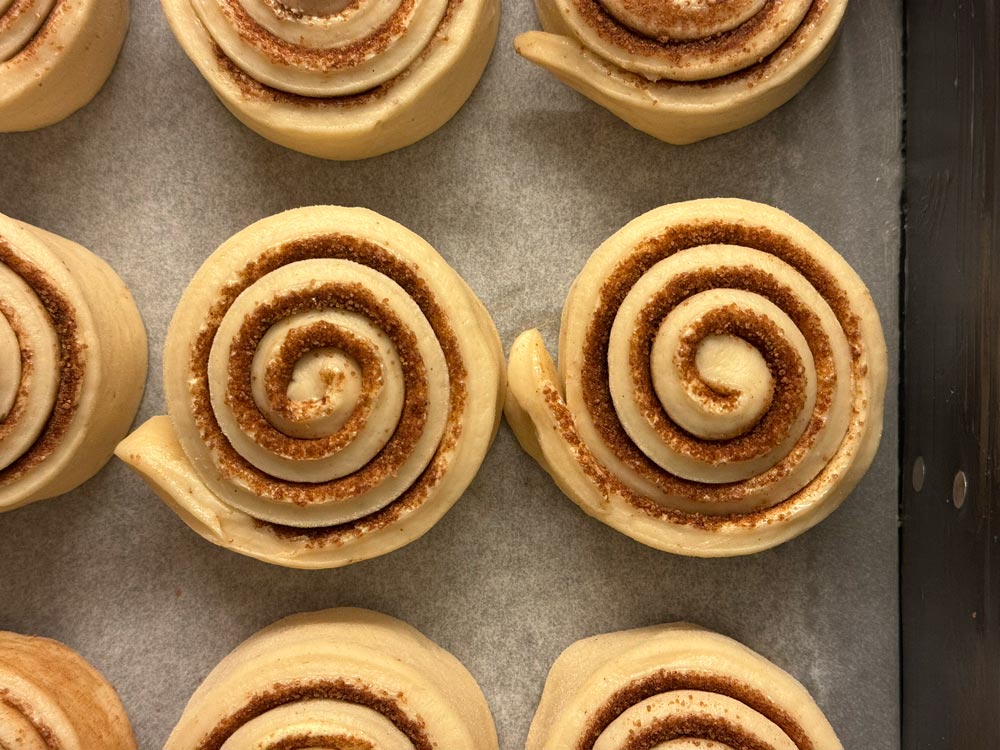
<point x="56" y="695"/>
<point x="682" y="113"/>
<point x="64" y="65"/>
<point x="155" y="451"/>
<point x="397" y="114"/>
<point x="113" y="362"/>
<point x="547" y="429"/>
<point x="352" y="655"/>
<point x="598" y="679"/>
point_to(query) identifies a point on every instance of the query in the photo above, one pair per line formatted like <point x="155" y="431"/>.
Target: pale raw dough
<point x="680" y="70"/>
<point x="54" y="57"/>
<point x="666" y="420"/>
<point x="674" y="687"/>
<point x="286" y="446"/>
<point x="334" y="79"/>
<point x="50" y="697"/>
<point x="342" y="678"/>
<point x="74" y="352"/>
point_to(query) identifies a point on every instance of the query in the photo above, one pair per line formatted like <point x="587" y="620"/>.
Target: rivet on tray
<point x="959" y="487"/>
<point x="919" y="473"/>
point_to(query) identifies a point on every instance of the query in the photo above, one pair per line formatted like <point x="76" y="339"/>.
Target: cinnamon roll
<point x="342" y="679"/>
<point x="73" y="349"/>
<point x="722" y="372"/>
<point x="54" y="57"/>
<point x="684" y="70"/>
<point x="333" y="386"/>
<point x="674" y="687"/>
<point x="339" y="79"/>
<point x="52" y="699"/>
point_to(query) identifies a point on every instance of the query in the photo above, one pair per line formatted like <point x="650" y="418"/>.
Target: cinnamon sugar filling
<point x="28" y="53"/>
<point x="610" y="28"/>
<point x="786" y="368"/>
<point x="251" y="88"/>
<point x="44" y="731"/>
<point x="17" y="409"/>
<point x="694" y="726"/>
<point x="299" y="342"/>
<point x="341" y="690"/>
<point x="675" y="51"/>
<point x="785" y="364"/>
<point x="353" y="298"/>
<point x="324" y="741"/>
<point x="72" y="365"/>
<point x="335" y="58"/>
<point x="345" y="247"/>
<point x="667" y="681"/>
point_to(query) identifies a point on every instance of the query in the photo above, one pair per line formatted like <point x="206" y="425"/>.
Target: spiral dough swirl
<point x="73" y="349"/>
<point x="683" y="70"/>
<point x="339" y="79"/>
<point x="52" y="699"/>
<point x="340" y="679"/>
<point x="674" y="687"/>
<point x="333" y="387"/>
<point x="722" y="380"/>
<point x="54" y="57"/>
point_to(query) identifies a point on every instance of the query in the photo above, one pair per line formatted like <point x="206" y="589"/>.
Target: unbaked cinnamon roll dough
<point x="674" y="687"/>
<point x="339" y="79"/>
<point x="52" y="699"/>
<point x="333" y="386"/>
<point x="54" y="57"/>
<point x="721" y="380"/>
<point x="340" y="678"/>
<point x="684" y="70"/>
<point x="73" y="349"/>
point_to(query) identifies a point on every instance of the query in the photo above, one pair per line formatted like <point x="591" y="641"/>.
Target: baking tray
<point x="515" y="192"/>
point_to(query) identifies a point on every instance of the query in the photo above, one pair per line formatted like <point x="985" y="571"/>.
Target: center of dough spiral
<point x="683" y="19"/>
<point x="724" y="394"/>
<point x="734" y="381"/>
<point x="323" y="392"/>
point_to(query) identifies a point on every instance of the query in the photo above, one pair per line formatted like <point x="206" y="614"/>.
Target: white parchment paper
<point x="515" y="192"/>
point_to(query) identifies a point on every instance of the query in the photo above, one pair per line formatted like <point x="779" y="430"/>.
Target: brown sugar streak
<point x="749" y="76"/>
<point x="46" y="30"/>
<point x="251" y="88"/>
<point x="334" y="689"/>
<point x="44" y="731"/>
<point x="335" y="58"/>
<point x="72" y="366"/>
<point x="709" y="14"/>
<point x="668" y="681"/>
<point x="325" y="741"/>
<point x="675" y="51"/>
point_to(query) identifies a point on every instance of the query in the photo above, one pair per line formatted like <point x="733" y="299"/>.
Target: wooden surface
<point x="950" y="564"/>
